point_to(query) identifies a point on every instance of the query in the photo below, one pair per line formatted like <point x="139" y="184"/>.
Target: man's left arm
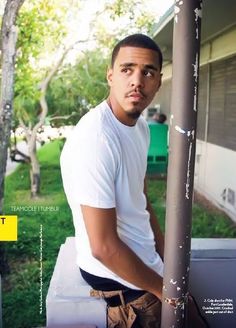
<point x="158" y="235"/>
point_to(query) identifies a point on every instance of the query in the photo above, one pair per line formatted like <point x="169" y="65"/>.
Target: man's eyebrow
<point x="128" y="64"/>
<point x="150" y="66"/>
<point x="147" y="66"/>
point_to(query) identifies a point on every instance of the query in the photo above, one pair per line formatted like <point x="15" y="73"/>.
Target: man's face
<point x="134" y="81"/>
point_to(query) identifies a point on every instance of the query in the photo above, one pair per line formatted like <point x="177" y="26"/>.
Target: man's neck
<point x="124" y="119"/>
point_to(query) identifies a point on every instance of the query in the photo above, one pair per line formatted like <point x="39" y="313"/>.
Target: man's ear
<point x="109" y="76"/>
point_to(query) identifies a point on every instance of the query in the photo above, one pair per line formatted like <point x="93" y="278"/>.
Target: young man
<point x="119" y="241"/>
<point x="118" y="238"/>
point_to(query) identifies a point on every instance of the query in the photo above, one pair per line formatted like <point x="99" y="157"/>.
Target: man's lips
<point x="135" y="95"/>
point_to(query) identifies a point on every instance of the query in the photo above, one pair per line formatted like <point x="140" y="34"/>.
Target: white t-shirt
<point x="103" y="165"/>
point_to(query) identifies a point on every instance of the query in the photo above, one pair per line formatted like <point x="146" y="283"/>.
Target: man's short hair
<point x="139" y="41"/>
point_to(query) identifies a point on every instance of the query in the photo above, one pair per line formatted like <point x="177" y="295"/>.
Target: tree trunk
<point x="35" y="168"/>
<point x="32" y="137"/>
<point x="8" y="48"/>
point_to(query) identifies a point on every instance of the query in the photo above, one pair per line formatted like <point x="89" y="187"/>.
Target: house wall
<point x="215" y="176"/>
<point x="215" y="173"/>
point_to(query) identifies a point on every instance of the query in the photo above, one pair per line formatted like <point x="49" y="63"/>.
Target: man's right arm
<point x="110" y="250"/>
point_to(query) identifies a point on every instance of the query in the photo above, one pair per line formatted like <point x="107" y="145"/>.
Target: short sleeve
<point x="90" y="178"/>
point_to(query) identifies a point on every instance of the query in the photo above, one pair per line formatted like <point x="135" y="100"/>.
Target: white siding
<point x="215" y="176"/>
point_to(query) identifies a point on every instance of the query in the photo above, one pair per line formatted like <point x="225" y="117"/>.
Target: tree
<point x="8" y="52"/>
<point x="32" y="82"/>
<point x="31" y="135"/>
<point x="41" y="30"/>
<point x="77" y="88"/>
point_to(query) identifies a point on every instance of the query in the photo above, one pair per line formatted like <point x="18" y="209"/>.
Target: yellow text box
<point x="8" y="227"/>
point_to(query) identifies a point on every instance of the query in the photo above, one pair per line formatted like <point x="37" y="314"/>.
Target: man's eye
<point x="125" y="70"/>
<point x="148" y="73"/>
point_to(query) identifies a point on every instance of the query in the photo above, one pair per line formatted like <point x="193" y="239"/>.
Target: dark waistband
<point x="99" y="283"/>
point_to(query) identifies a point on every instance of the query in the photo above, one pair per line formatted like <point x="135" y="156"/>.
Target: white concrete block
<point x="68" y="300"/>
<point x="213" y="248"/>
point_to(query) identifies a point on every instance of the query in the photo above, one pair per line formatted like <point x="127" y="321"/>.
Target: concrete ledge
<point x="213" y="248"/>
<point x="68" y="300"/>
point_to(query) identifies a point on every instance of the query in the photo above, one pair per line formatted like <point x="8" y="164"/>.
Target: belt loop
<point x="96" y="293"/>
<point x="122" y="298"/>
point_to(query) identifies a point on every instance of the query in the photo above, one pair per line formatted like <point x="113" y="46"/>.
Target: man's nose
<point x="137" y="80"/>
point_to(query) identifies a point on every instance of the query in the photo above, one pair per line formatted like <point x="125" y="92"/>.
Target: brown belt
<point x="116" y="300"/>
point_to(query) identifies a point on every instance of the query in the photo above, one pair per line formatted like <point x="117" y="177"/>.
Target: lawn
<point x="48" y="219"/>
<point x="44" y="225"/>
<point x="206" y="222"/>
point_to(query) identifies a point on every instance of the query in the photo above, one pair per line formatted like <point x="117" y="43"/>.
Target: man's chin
<point x="134" y="114"/>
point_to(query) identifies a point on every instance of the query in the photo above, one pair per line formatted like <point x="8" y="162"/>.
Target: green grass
<point x="21" y="288"/>
<point x="206" y="223"/>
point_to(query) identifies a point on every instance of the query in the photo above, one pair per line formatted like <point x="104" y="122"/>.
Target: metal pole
<point x="186" y="47"/>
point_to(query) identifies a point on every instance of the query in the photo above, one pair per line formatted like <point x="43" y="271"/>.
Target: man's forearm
<point x="127" y="265"/>
<point x="109" y="249"/>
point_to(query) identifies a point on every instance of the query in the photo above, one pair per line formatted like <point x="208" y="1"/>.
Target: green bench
<point x="158" y="150"/>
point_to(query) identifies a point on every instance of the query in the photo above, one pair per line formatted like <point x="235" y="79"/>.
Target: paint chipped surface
<point x="179" y="129"/>
<point x="173" y="282"/>
<point x="198" y="16"/>
<point x="178" y="3"/>
<point x="197" y="33"/>
<point x="195" y="99"/>
<point x="198" y="13"/>
<point x="187" y="185"/>
<point x="189" y="133"/>
<point x="195" y="68"/>
<point x="195" y="75"/>
<point x="176" y="10"/>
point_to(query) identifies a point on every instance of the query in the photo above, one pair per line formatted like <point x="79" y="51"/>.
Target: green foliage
<point x="135" y="11"/>
<point x="126" y="17"/>
<point x="43" y="26"/>
<point x="40" y="30"/>
<point x="21" y="288"/>
<point x="78" y="88"/>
